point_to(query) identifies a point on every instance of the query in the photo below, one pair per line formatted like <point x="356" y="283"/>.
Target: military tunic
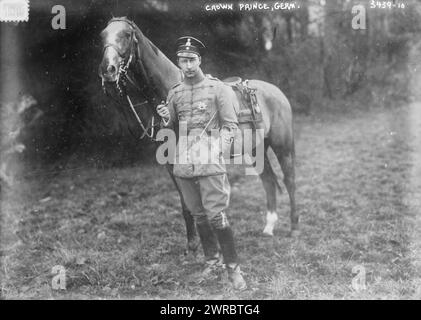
<point x="202" y="108"/>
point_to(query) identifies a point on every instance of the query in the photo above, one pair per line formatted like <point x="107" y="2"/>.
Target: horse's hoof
<point x="268" y="232"/>
<point x="294" y="233"/>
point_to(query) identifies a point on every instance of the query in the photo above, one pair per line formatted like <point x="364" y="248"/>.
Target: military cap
<point x="189" y="44"/>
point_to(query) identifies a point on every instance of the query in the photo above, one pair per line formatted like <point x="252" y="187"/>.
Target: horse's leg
<point x="269" y="184"/>
<point x="193" y="240"/>
<point x="287" y="162"/>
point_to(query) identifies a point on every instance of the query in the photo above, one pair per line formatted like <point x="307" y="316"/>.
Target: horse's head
<point x="120" y="53"/>
<point x="119" y="42"/>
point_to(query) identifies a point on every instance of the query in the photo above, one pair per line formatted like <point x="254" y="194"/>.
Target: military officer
<point x="202" y="104"/>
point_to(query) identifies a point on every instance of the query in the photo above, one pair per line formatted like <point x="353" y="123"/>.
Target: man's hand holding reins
<point x="163" y="111"/>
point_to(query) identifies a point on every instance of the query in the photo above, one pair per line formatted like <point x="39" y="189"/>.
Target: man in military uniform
<point x="202" y="105"/>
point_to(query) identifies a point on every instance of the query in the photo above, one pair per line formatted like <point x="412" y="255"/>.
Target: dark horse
<point x="132" y="61"/>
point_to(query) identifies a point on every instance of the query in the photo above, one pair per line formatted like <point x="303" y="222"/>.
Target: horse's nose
<point x="108" y="70"/>
<point x="111" y="69"/>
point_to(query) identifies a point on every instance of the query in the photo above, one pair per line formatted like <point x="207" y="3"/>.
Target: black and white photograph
<point x="218" y="151"/>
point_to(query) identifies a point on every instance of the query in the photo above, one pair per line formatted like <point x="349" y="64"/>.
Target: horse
<point x="130" y="61"/>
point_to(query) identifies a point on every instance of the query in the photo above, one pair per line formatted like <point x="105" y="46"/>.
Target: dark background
<point x="315" y="70"/>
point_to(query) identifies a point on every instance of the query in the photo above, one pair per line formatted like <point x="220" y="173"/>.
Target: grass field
<point x="119" y="233"/>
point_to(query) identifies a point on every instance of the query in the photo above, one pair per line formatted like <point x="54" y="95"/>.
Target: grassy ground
<point x="119" y="232"/>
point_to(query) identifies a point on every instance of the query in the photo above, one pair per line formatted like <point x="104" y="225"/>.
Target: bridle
<point x="128" y="60"/>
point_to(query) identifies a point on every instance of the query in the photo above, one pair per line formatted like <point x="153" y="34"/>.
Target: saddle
<point x="249" y="112"/>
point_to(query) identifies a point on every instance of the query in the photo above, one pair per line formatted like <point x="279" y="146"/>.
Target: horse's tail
<point x="267" y="162"/>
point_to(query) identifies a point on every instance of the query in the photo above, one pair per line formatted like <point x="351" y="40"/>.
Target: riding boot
<point x="208" y="239"/>
<point x="226" y="241"/>
<point x="210" y="249"/>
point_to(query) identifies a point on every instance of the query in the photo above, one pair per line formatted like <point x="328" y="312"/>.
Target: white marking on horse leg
<point x="271" y="218"/>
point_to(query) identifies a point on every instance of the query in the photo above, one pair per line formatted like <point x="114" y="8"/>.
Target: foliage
<point x="17" y="118"/>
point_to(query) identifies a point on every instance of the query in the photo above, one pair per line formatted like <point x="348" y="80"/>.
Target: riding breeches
<point x="207" y="197"/>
